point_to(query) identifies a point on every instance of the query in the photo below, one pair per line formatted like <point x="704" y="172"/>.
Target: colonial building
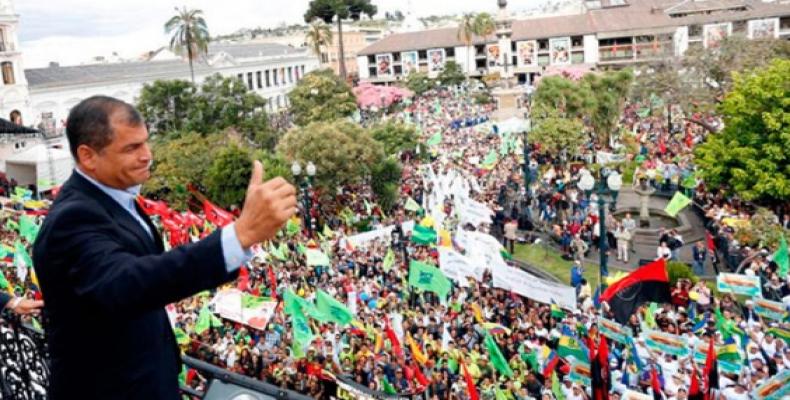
<point x="354" y="40"/>
<point x="608" y="34"/>
<point x="13" y="86"/>
<point x="271" y="70"/>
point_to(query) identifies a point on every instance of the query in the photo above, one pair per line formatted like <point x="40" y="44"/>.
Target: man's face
<point x="125" y="162"/>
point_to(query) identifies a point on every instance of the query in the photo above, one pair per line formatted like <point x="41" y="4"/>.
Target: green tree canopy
<point x="395" y="137"/>
<point x="556" y="133"/>
<point x="321" y="96"/>
<point x="749" y="157"/>
<point x="343" y="152"/>
<point x="419" y="83"/>
<point x="228" y="176"/>
<point x="178" y="163"/>
<point x="451" y="74"/>
<point x="384" y="182"/>
<point x="165" y="105"/>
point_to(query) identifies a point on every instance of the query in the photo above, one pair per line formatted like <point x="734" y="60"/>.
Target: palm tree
<point x="189" y="33"/>
<point x="484" y="25"/>
<point x="466" y="31"/>
<point x="318" y="35"/>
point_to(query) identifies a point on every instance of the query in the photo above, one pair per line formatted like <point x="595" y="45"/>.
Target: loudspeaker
<point x="219" y="390"/>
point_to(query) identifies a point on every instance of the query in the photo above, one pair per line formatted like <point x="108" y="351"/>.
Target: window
<point x="282" y="76"/>
<point x="258" y="76"/>
<point x="241" y="77"/>
<point x="268" y="82"/>
<point x="274" y="73"/>
<point x="249" y="80"/>
<point x="302" y="74"/>
<point x="449" y="51"/>
<point x="290" y="75"/>
<point x="8" y="73"/>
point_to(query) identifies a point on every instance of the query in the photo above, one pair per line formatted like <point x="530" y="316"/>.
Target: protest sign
<point x="739" y="284"/>
<point x="770" y="309"/>
<point x="580" y="373"/>
<point x="775" y="388"/>
<point x="615" y="331"/>
<point x="459" y="267"/>
<point x="365" y="238"/>
<point x="666" y="342"/>
<point x="530" y="286"/>
<point x="249" y="310"/>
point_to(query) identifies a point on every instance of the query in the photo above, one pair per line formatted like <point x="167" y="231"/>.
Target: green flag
<point x="427" y="277"/>
<point x="181" y="336"/>
<point x="28" y="228"/>
<point x="679" y="201"/>
<point x="294" y="303"/>
<point x="302" y="333"/>
<point x="11" y="225"/>
<point x="500" y="394"/>
<point x="689" y="182"/>
<point x="316" y="257"/>
<point x="205" y="320"/>
<point x="531" y="359"/>
<point x="388" y="388"/>
<point x="434" y="140"/>
<point x="781" y="257"/>
<point x="277" y="252"/>
<point x="334" y="310"/>
<point x="292" y="227"/>
<point x="495" y="355"/>
<point x="423" y="235"/>
<point x="300" y="248"/>
<point x="389" y="260"/>
<point x="411" y="205"/>
<point x="4" y="282"/>
<point x="555" y="387"/>
<point x="182" y="376"/>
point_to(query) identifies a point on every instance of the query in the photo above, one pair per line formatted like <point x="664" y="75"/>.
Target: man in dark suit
<point x="103" y="270"/>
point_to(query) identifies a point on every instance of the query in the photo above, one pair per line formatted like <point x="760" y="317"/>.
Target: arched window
<point x="8" y="72"/>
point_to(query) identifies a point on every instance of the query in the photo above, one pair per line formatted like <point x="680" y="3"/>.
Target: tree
<point x="749" y="156"/>
<point x="189" y="34"/>
<point x="484" y="25"/>
<point x="318" y="36"/>
<point x="165" y="105"/>
<point x="395" y="137"/>
<point x="181" y="162"/>
<point x="419" y="83"/>
<point x="608" y="92"/>
<point x="466" y="32"/>
<point x="384" y="182"/>
<point x="556" y="133"/>
<point x="560" y="94"/>
<point x="228" y="176"/>
<point x="343" y="152"/>
<point x="338" y="10"/>
<point x="451" y="74"/>
<point x="321" y="96"/>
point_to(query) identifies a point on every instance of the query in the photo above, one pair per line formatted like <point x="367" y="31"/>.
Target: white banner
<point x="603" y="157"/>
<point x="228" y="304"/>
<point x="459" y="267"/>
<point x="473" y="212"/>
<point x="530" y="286"/>
<point x="363" y="239"/>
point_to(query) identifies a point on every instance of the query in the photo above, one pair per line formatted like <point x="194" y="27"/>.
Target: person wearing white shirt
<point x="663" y="251"/>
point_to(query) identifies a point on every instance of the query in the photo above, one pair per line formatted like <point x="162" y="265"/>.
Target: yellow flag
<point x="478" y="313"/>
<point x="415" y="351"/>
<point x="444" y="238"/>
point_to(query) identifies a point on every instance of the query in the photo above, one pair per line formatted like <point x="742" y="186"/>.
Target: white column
<point x="362" y="67"/>
<point x="505" y="53"/>
<point x="590" y="49"/>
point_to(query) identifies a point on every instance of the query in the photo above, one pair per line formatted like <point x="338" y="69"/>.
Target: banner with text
<point x="530" y="286"/>
<point x="739" y="284"/>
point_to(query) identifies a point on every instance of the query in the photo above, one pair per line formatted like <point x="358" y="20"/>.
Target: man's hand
<point x="267" y="207"/>
<point x="23" y="306"/>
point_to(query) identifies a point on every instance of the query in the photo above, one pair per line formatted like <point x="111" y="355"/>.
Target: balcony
<point x="645" y="51"/>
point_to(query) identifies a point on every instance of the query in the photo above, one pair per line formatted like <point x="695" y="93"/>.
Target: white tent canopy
<point x="40" y="163"/>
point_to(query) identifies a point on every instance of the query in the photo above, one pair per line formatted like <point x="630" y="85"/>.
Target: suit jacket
<point x="105" y="282"/>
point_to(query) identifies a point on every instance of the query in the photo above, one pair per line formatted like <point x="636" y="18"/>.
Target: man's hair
<point x="90" y="122"/>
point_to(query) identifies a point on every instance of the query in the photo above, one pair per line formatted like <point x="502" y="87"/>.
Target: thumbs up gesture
<point x="267" y="207"/>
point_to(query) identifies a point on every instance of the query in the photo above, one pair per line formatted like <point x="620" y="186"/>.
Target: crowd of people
<point x="408" y="341"/>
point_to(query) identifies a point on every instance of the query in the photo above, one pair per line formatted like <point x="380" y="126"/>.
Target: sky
<point x="72" y="31"/>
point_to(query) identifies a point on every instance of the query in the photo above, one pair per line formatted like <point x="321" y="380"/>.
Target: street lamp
<point x="305" y="186"/>
<point x="611" y="186"/>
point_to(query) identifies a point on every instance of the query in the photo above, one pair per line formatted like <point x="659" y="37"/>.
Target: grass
<point x="551" y="261"/>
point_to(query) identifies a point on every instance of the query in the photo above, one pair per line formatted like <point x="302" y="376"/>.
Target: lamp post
<point x="611" y="186"/>
<point x="305" y="186"/>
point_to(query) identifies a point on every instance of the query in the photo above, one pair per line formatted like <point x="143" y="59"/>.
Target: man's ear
<point x="87" y="157"/>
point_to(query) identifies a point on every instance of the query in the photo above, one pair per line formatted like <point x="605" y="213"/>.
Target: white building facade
<point x="13" y="85"/>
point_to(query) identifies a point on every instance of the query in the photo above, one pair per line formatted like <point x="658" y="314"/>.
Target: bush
<point x="483" y="98"/>
<point x="678" y="270"/>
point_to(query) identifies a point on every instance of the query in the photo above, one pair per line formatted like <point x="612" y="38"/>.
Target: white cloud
<point x="73" y="31"/>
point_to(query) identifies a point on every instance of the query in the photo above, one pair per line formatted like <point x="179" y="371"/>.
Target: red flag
<point x="244" y="279"/>
<point x="470" y="383"/>
<point x="151" y="207"/>
<point x="709" y="240"/>
<point x="421" y="379"/>
<point x="711" y="371"/>
<point x="216" y="215"/>
<point x="655" y="384"/>
<point x="695" y="393"/>
<point x="600" y="369"/>
<point x="193" y="220"/>
<point x="272" y="282"/>
<point x="396" y="348"/>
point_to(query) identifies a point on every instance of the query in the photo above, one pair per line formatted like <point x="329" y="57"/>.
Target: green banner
<point x="739" y="284"/>
<point x="775" y="388"/>
<point x="615" y="331"/>
<point x="679" y="202"/>
<point x="580" y="373"/>
<point x="770" y="309"/>
<point x="666" y="343"/>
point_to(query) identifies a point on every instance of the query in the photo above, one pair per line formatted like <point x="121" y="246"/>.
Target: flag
<point x="490" y="160"/>
<point x="151" y="207"/>
<point x="181" y="337"/>
<point x="679" y="201"/>
<point x="411" y="205"/>
<point x="420" y="377"/>
<point x="640" y="366"/>
<point x="423" y="235"/>
<point x="470" y="383"/>
<point x="599" y="371"/>
<point x="295" y="306"/>
<point x="389" y="260"/>
<point x="555" y="387"/>
<point x="29" y="230"/>
<point x="695" y="393"/>
<point x="427" y="277"/>
<point x="206" y="319"/>
<point x="556" y="311"/>
<point x="388" y="388"/>
<point x="334" y="310"/>
<point x="434" y="140"/>
<point x="550" y="364"/>
<point x="328" y="232"/>
<point x="568" y="346"/>
<point x="317" y="257"/>
<point x="292" y="227"/>
<point x="711" y="372"/>
<point x="648" y="283"/>
<point x="500" y="394"/>
<point x="244" y="279"/>
<point x="272" y="281"/>
<point x="216" y="215"/>
<point x="393" y="338"/>
<point x="22" y="261"/>
<point x="729" y="352"/>
<point x="495" y="355"/>
<point x="4" y="284"/>
<point x="655" y="384"/>
<point x="416" y="352"/>
<point x="477" y="312"/>
<point x="495" y="329"/>
<point x="781" y="257"/>
<point x="780" y="333"/>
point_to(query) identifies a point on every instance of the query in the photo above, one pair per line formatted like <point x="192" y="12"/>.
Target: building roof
<point x="637" y="15"/>
<point x="49" y="77"/>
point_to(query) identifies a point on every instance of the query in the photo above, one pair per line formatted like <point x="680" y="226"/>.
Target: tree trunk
<point x="189" y="55"/>
<point x="342" y="54"/>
